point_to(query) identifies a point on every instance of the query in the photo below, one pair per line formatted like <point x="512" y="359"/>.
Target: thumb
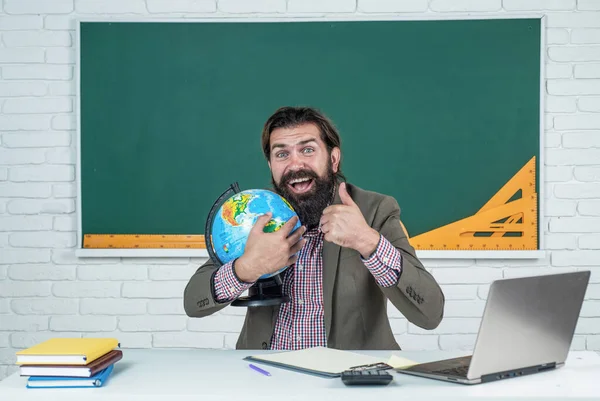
<point x="262" y="221"/>
<point x="344" y="196"/>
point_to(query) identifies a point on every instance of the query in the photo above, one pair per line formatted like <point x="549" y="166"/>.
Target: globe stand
<point x="265" y="292"/>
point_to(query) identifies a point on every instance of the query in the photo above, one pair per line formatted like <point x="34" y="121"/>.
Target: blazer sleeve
<point x="417" y="295"/>
<point x="199" y="294"/>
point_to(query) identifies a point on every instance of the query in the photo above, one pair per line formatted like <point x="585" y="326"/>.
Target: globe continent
<point x="236" y="217"/>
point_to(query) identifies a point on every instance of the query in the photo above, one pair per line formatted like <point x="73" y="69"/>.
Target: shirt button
<point x="299" y="267"/>
<point x="300" y="302"/>
<point x="299" y="338"/>
<point x="232" y="290"/>
<point x="386" y="259"/>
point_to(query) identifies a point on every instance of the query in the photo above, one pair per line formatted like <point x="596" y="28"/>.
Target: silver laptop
<point x="527" y="327"/>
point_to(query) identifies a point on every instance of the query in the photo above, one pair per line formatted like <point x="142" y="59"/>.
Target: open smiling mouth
<point x="301" y="185"/>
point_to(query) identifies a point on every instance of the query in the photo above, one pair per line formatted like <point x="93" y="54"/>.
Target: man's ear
<point x="336" y="155"/>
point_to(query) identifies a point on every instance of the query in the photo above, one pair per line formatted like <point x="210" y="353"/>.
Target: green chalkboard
<point x="439" y="114"/>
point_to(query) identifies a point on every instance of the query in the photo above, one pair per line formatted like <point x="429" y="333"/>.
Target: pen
<point x="259" y="370"/>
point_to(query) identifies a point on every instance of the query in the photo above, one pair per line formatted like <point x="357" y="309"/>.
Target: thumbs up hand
<point x="345" y="196"/>
<point x="345" y="226"/>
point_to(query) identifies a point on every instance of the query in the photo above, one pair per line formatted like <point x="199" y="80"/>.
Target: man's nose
<point x="295" y="162"/>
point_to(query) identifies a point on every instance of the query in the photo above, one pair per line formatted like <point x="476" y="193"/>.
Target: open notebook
<point x="323" y="361"/>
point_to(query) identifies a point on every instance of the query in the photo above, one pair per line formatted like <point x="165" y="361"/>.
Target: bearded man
<point x="349" y="257"/>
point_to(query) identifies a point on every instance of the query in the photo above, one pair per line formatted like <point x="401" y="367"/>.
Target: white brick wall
<point x="45" y="291"/>
<point x="392" y="6"/>
<point x="110" y="7"/>
<point x="314" y="6"/>
<point x="181" y="6"/>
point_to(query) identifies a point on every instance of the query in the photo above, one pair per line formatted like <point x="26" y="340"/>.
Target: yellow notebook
<point x="67" y="351"/>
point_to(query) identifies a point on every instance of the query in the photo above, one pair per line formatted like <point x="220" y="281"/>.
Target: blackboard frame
<point x="202" y="253"/>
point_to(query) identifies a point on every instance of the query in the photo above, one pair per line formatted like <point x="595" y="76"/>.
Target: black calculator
<point x="362" y="377"/>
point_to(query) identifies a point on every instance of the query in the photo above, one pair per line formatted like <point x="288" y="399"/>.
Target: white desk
<point x="198" y="375"/>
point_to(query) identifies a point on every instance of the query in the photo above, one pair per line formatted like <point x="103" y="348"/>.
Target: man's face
<point x="303" y="171"/>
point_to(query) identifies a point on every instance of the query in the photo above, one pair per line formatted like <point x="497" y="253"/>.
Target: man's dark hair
<point x="289" y="117"/>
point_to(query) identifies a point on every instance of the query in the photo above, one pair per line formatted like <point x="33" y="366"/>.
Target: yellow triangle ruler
<point x="506" y="222"/>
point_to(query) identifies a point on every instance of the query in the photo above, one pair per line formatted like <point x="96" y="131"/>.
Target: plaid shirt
<point x="300" y="323"/>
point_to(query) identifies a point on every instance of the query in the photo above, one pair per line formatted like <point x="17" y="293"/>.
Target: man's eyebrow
<point x="304" y="142"/>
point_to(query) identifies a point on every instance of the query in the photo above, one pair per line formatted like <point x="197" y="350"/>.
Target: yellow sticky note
<point x="398" y="362"/>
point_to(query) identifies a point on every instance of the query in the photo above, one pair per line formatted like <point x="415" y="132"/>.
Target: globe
<point x="236" y="217"/>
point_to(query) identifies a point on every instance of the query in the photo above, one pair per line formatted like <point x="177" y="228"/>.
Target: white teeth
<point x="299" y="180"/>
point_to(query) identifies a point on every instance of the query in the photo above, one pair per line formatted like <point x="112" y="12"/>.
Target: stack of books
<point x="69" y="362"/>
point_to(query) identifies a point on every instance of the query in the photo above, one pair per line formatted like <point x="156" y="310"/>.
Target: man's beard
<point x="309" y="205"/>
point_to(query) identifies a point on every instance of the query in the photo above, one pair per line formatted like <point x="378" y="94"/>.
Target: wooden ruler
<point x="143" y="241"/>
<point x="503" y="223"/>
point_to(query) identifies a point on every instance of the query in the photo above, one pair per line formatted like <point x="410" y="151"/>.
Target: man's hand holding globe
<point x="259" y="231"/>
<point x="268" y="252"/>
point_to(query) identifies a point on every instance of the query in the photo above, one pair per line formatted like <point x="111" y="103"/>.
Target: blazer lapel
<point x="331" y="255"/>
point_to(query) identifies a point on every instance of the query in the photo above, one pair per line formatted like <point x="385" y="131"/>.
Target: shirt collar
<point x="314" y="232"/>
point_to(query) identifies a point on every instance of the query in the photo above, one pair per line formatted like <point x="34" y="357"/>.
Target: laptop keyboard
<point x="460" y="371"/>
<point x="450" y="367"/>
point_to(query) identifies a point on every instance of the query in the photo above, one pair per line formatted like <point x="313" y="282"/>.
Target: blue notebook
<point x="70" y="382"/>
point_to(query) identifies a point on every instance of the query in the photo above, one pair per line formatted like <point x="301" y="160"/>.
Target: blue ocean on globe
<point x="236" y="217"/>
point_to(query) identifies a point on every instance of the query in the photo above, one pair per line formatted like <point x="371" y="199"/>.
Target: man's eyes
<point x="283" y="154"/>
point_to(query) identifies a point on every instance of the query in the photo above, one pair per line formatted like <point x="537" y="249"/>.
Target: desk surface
<point x="174" y="375"/>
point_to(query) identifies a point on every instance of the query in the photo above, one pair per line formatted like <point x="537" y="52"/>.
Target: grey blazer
<point x="355" y="306"/>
